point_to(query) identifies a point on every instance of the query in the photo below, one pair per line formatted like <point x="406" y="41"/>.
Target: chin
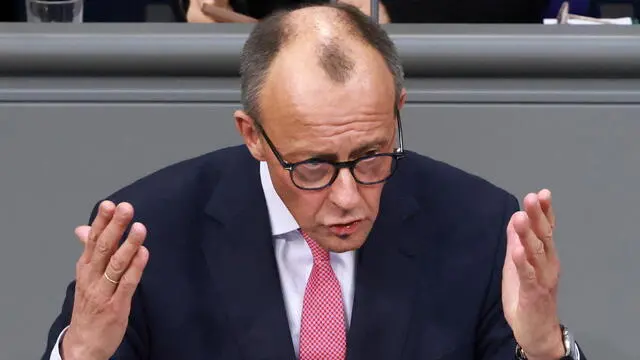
<point x="339" y="244"/>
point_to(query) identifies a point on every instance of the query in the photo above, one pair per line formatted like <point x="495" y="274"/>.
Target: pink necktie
<point x="322" y="329"/>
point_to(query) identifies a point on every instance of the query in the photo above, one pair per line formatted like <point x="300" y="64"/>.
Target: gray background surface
<point x="67" y="141"/>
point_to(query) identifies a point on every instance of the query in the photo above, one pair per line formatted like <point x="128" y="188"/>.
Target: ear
<point x="250" y="134"/>
<point x="403" y="99"/>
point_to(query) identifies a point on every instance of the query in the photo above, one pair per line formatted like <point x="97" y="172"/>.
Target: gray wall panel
<point x="57" y="159"/>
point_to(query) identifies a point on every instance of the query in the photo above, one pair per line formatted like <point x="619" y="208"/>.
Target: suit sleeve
<point x="133" y="346"/>
<point x="495" y="337"/>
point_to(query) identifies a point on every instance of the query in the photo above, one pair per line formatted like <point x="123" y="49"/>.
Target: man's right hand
<point x="195" y="14"/>
<point x="106" y="279"/>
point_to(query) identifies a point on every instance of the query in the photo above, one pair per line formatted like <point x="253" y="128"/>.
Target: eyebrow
<point x="361" y="150"/>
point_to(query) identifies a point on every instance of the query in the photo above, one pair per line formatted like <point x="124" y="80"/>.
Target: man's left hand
<point x="530" y="279"/>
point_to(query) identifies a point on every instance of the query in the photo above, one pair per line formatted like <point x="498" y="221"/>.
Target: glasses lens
<point x="367" y="170"/>
<point x="374" y="169"/>
<point x="312" y="175"/>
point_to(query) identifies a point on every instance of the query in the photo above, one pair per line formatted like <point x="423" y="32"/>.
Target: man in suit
<point x="322" y="237"/>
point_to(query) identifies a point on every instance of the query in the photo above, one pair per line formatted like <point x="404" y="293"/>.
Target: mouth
<point x="345" y="229"/>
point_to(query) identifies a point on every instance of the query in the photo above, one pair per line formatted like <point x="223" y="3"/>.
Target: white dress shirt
<point x="295" y="260"/>
<point x="294" y="263"/>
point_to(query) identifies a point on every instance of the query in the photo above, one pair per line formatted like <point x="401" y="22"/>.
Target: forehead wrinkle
<point x="343" y="123"/>
<point x="309" y="141"/>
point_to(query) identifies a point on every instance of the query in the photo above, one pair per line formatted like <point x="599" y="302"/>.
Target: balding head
<point x="331" y="37"/>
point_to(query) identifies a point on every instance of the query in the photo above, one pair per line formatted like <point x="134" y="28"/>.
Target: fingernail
<point x="106" y="206"/>
<point x="137" y="227"/>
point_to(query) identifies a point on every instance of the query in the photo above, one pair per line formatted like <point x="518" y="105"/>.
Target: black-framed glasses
<point x="316" y="174"/>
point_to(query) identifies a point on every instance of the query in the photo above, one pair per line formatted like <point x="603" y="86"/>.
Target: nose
<point x="344" y="191"/>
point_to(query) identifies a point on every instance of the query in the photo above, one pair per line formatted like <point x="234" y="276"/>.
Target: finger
<point x="131" y="278"/>
<point x="544" y="197"/>
<point x="526" y="271"/>
<point x="82" y="233"/>
<point x="512" y="236"/>
<point x="106" y="210"/>
<point x="533" y="247"/>
<point x="538" y="222"/>
<point x="110" y="237"/>
<point x="512" y="243"/>
<point x="121" y="259"/>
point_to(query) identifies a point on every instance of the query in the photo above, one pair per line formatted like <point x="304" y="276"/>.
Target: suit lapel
<point x="386" y="278"/>
<point x="238" y="247"/>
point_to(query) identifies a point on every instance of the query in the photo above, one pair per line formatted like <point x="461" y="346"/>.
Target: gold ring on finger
<point x="110" y="279"/>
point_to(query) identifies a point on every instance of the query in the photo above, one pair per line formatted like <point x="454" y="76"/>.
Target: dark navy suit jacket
<point x="427" y="279"/>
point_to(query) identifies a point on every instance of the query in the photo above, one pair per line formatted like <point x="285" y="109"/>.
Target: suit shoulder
<point x="451" y="187"/>
<point x="182" y="182"/>
<point x="467" y="211"/>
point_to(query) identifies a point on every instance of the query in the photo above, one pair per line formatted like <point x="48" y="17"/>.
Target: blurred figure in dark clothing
<point x="395" y="11"/>
<point x="402" y="11"/>
<point x="8" y="11"/>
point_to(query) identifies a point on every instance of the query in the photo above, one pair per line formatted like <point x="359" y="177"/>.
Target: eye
<point x="315" y="161"/>
<point x="371" y="152"/>
<point x="314" y="164"/>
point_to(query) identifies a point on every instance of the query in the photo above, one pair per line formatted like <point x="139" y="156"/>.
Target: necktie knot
<point x="319" y="254"/>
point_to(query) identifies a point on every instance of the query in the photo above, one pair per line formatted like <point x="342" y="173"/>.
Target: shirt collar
<point x="280" y="217"/>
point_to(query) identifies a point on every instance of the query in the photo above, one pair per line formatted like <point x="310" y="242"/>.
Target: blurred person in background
<point x="394" y="11"/>
<point x="397" y="11"/>
<point x="8" y="11"/>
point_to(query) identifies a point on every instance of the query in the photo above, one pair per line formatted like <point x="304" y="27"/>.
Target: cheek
<point x="304" y="205"/>
<point x="308" y="207"/>
<point x="371" y="197"/>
